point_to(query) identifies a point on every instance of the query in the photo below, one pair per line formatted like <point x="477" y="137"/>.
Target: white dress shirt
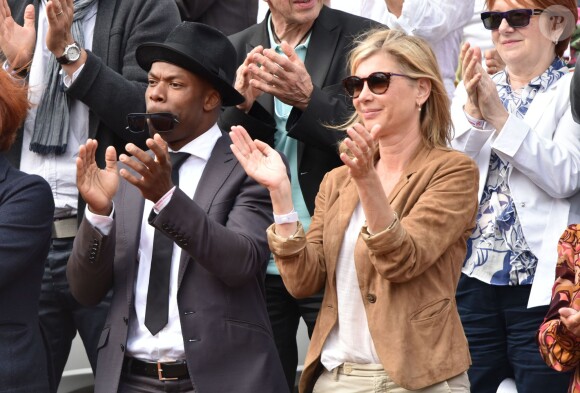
<point x="167" y="345"/>
<point x="58" y="170"/>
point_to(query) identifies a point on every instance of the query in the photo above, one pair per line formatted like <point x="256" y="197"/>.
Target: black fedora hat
<point x="201" y="49"/>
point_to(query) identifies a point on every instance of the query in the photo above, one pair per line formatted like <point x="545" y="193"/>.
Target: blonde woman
<point x="388" y="234"/>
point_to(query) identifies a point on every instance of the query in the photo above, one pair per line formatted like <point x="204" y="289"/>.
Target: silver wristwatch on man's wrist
<point x="71" y="54"/>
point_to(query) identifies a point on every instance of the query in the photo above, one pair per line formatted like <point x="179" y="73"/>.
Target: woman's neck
<point x="396" y="151"/>
<point x="522" y="75"/>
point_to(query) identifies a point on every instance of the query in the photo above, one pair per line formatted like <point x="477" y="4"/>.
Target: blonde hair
<point x="416" y="60"/>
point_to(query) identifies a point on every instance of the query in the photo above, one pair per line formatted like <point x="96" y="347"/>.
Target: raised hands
<point x="285" y="77"/>
<point x="361" y="144"/>
<point x="60" y="17"/>
<point x="17" y="42"/>
<point x="483" y="100"/>
<point x="260" y="161"/>
<point x="264" y="165"/>
<point x="155" y="171"/>
<point x="243" y="78"/>
<point x="97" y="186"/>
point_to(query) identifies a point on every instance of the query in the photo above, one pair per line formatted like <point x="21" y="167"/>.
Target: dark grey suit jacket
<point x="26" y="210"/>
<point x="330" y="42"/>
<point x="111" y="83"/>
<point x="226" y="332"/>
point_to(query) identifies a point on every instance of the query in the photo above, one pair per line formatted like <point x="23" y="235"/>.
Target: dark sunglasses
<point x="160" y="121"/>
<point x="515" y="18"/>
<point x="378" y="83"/>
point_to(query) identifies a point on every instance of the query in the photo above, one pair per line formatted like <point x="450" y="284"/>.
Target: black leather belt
<point x="163" y="371"/>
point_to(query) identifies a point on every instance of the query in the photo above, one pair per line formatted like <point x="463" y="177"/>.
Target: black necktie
<point x="158" y="293"/>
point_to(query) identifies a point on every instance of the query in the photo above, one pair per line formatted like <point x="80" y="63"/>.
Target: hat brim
<point x="149" y="53"/>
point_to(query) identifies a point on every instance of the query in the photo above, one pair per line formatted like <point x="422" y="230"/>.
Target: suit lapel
<point x="4" y="165"/>
<point x="536" y="110"/>
<point x="220" y="165"/>
<point x="103" y="24"/>
<point x="323" y="41"/>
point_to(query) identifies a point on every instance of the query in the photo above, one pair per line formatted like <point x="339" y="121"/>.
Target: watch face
<point x="73" y="53"/>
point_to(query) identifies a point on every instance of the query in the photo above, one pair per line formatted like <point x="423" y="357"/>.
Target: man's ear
<point x="212" y="101"/>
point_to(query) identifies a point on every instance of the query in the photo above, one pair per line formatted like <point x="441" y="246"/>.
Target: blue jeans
<point x="61" y="315"/>
<point x="501" y="332"/>
<point x="285" y="313"/>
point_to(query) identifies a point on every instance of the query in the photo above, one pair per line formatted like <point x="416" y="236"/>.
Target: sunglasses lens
<point x="162" y="121"/>
<point x="378" y="82"/>
<point x="518" y="18"/>
<point x="353" y="85"/>
<point x="136" y="122"/>
<point x="491" y="20"/>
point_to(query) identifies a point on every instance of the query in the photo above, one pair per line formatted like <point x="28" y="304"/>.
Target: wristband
<point x="286" y="218"/>
<point x="476" y="123"/>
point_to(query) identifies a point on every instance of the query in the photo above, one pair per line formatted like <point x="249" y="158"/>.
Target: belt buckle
<point x="160" y="374"/>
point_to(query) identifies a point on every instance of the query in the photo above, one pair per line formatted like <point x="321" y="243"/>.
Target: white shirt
<point x="350" y="340"/>
<point x="167" y="345"/>
<point x="440" y="23"/>
<point x="58" y="171"/>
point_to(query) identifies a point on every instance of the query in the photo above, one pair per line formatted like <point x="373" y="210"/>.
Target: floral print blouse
<point x="559" y="347"/>
<point x="497" y="251"/>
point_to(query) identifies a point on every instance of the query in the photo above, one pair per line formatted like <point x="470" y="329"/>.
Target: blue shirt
<point x="288" y="146"/>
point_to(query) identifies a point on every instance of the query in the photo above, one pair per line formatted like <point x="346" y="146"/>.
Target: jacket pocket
<point x="431" y="310"/>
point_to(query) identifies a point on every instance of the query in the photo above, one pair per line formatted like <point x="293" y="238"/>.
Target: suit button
<point x="371" y="298"/>
<point x="122" y="348"/>
<point x="126" y="320"/>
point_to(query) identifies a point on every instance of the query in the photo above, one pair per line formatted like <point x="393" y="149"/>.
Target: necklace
<point x="278" y="40"/>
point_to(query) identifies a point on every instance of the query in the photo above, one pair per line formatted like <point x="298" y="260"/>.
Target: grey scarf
<point x="52" y="123"/>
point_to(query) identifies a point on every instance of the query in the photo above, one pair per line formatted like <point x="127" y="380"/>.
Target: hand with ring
<point x="361" y="147"/>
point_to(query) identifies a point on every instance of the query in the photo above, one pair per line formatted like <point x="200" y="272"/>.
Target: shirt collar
<point x="276" y="46"/>
<point x="542" y="82"/>
<point x="203" y="145"/>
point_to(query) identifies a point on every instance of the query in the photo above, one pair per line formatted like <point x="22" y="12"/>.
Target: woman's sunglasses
<point x="515" y="18"/>
<point x="160" y="121"/>
<point x="378" y="83"/>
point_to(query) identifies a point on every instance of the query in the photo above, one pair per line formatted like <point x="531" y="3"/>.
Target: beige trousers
<point x="372" y="378"/>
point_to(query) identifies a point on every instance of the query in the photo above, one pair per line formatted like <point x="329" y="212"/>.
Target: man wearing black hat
<point x="187" y="262"/>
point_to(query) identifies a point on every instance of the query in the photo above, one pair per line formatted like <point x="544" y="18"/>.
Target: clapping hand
<point x="360" y="143"/>
<point x="97" y="186"/>
<point x="259" y="160"/>
<point x="17" y="42"/>
<point x="155" y="170"/>
<point x="283" y="76"/>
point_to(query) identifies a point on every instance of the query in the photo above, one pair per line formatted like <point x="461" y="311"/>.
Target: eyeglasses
<point x="378" y="83"/>
<point x="160" y="121"/>
<point x="515" y="18"/>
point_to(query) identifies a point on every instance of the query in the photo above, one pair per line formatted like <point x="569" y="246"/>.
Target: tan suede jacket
<point x="408" y="274"/>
